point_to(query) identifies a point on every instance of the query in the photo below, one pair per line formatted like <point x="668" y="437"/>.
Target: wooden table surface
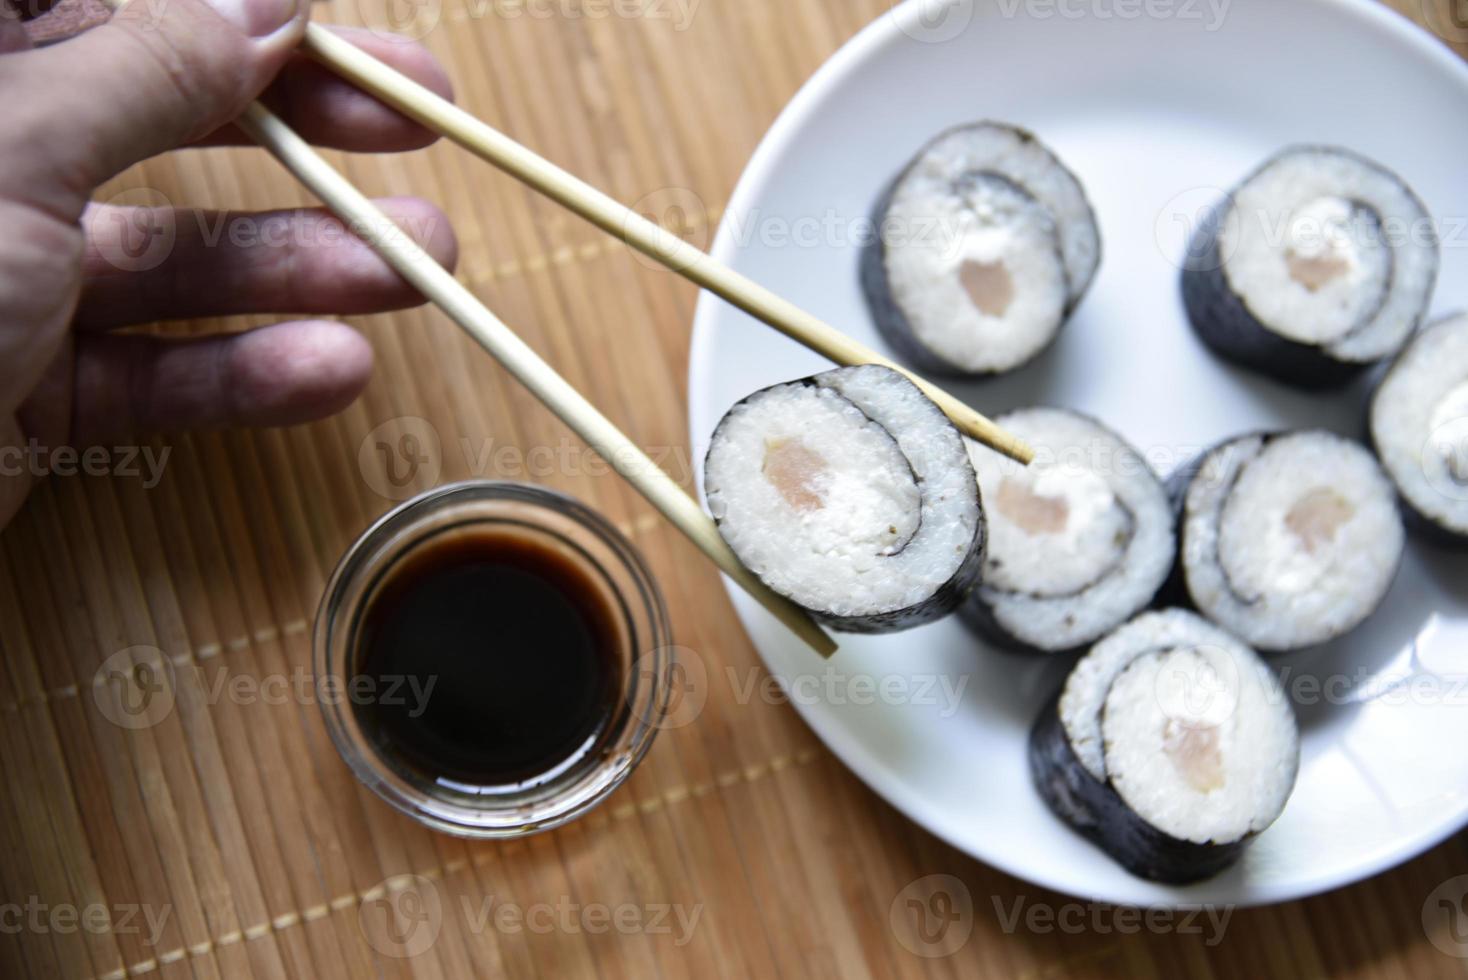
<point x="222" y="836"/>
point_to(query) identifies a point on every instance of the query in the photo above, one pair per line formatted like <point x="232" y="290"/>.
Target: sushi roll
<point x="1078" y="542"/>
<point x="851" y="494"/>
<point x="1171" y="745"/>
<point x="1419" y="426"/>
<point x="1320" y="263"/>
<point x="986" y="244"/>
<point x="1286" y="539"/>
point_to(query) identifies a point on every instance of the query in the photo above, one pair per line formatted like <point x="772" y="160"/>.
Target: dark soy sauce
<point x="523" y="650"/>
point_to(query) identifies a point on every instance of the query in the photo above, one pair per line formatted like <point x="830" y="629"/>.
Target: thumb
<point x="159" y="74"/>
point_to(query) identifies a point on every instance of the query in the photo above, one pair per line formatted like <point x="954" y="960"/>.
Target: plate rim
<point x="855" y="52"/>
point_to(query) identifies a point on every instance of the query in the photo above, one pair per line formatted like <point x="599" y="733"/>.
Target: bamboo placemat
<point x="211" y="830"/>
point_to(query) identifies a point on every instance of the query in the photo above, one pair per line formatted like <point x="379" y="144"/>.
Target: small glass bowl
<point x="558" y="522"/>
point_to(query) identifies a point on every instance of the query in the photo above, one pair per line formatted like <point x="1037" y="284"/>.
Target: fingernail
<point x="257" y="18"/>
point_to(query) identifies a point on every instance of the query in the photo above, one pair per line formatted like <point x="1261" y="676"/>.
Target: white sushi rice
<point x="850" y="493"/>
<point x="1024" y="161"/>
<point x="1291" y="540"/>
<point x="997" y="242"/>
<point x="1200" y="741"/>
<point x="1327" y="248"/>
<point x="1079" y="540"/>
<point x="1084" y="694"/>
<point x="987" y="290"/>
<point x="1419" y="423"/>
<point x="1187" y="724"/>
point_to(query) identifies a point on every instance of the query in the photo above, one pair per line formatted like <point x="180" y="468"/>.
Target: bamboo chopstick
<point x="434" y="281"/>
<point x="689" y="261"/>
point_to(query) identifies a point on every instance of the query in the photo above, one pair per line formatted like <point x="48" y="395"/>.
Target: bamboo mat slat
<point x="229" y="840"/>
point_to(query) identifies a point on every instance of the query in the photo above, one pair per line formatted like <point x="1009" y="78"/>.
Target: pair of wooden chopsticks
<point x="454" y="299"/>
<point x="433" y="281"/>
<point x="478" y="137"/>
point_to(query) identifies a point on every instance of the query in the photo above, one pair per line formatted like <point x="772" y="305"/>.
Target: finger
<point x="325" y="109"/>
<point x="39" y="283"/>
<point x="278" y="375"/>
<point x="156" y="76"/>
<point x="13" y="33"/>
<point x="146" y="264"/>
<point x="49" y="21"/>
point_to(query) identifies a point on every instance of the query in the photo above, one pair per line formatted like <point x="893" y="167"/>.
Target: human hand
<point x="158" y="76"/>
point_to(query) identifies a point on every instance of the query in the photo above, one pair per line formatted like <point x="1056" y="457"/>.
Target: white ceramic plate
<point x="1155" y="114"/>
